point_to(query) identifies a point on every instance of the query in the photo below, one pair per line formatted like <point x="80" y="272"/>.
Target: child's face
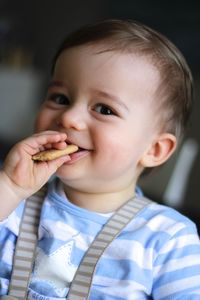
<point x="105" y="104"/>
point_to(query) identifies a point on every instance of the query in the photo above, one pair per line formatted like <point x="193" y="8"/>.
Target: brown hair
<point x="175" y="92"/>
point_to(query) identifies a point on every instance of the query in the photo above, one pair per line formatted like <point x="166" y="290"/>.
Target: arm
<point x="20" y="176"/>
<point x="177" y="267"/>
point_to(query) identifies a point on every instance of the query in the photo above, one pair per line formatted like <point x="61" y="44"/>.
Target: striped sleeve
<point x="177" y="266"/>
<point x="9" y="229"/>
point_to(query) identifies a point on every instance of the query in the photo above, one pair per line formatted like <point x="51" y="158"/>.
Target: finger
<point x="57" y="163"/>
<point x="51" y="136"/>
<point x="60" y="146"/>
<point x="34" y="143"/>
<point x="46" y="132"/>
<point x="48" y="146"/>
<point x="52" y="166"/>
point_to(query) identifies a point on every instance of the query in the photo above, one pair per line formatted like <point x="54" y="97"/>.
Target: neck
<point x="103" y="202"/>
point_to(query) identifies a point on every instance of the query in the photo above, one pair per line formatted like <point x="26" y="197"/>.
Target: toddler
<point x="122" y="93"/>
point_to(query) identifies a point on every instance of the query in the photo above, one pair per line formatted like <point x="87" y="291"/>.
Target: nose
<point x="72" y="118"/>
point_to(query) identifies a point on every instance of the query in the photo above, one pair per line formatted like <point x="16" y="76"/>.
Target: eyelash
<point x="55" y="97"/>
<point x="105" y="109"/>
<point x="109" y="112"/>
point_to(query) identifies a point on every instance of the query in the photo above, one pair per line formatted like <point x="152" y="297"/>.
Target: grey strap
<point x="25" y="247"/>
<point x="81" y="284"/>
<point x="27" y="242"/>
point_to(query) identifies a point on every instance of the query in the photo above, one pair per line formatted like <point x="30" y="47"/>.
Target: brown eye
<point x="104" y="109"/>
<point x="59" y="99"/>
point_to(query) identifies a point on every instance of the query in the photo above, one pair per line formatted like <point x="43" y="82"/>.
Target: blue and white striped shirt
<point x="157" y="256"/>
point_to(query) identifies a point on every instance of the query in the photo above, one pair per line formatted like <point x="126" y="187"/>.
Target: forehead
<point x="100" y="52"/>
<point x="112" y="69"/>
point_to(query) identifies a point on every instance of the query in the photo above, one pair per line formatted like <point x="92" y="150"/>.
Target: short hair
<point x="175" y="92"/>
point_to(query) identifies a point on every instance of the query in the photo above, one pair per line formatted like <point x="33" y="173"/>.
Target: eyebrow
<point x="112" y="97"/>
<point x="56" y="83"/>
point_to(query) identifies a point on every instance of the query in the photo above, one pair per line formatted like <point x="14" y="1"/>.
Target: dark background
<point x="30" y="32"/>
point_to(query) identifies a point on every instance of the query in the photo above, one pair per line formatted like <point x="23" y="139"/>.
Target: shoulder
<point x="163" y="218"/>
<point x="176" y="261"/>
<point x="12" y="222"/>
<point x="159" y="226"/>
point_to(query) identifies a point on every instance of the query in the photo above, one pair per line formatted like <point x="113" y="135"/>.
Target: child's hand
<point x="24" y="176"/>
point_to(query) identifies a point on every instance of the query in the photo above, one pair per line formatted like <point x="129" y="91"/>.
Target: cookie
<point x="54" y="153"/>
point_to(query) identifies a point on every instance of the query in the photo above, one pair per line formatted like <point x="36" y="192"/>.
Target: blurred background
<point x="30" y="32"/>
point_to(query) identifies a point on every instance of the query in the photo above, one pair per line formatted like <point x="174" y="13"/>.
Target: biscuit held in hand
<point x="54" y="153"/>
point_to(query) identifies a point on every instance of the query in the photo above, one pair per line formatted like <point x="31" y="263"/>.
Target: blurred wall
<point x="30" y="32"/>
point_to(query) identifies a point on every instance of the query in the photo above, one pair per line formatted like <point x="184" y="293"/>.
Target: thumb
<point x="55" y="164"/>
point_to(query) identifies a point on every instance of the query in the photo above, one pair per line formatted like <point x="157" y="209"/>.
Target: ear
<point x="159" y="151"/>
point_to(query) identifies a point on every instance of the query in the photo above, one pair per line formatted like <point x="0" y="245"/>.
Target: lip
<point x="70" y="142"/>
<point x="77" y="156"/>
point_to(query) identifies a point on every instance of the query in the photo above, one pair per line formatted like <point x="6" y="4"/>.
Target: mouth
<point x="79" y="154"/>
<point x="80" y="148"/>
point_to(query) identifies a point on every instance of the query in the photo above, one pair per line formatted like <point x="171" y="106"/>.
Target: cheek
<point x="42" y="121"/>
<point x="120" y="147"/>
<point x="115" y="148"/>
